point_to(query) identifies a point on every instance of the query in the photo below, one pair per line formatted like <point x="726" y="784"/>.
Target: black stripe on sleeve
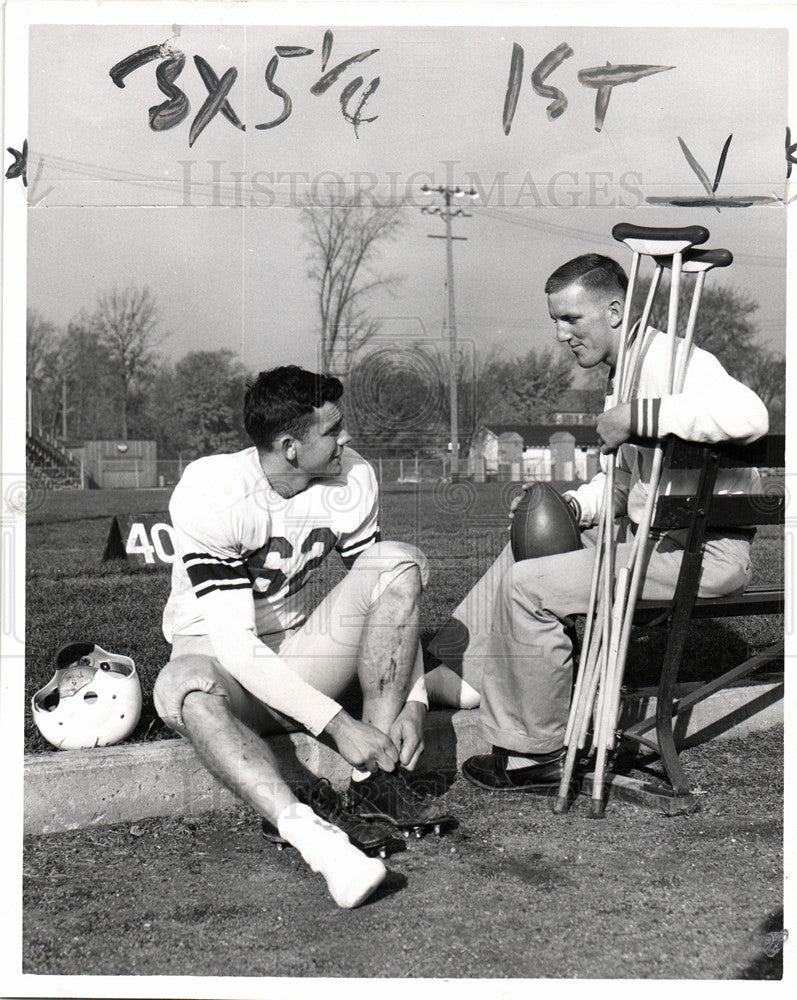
<point x="654" y="417"/>
<point x="207" y="557"/>
<point x="346" y="550"/>
<point x="351" y="555"/>
<point x="208" y="588"/>
<point x="212" y="571"/>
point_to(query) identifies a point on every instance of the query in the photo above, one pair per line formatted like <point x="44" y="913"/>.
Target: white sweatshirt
<point x="712" y="407"/>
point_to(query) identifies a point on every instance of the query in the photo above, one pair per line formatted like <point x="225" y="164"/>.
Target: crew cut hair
<point x="282" y="401"/>
<point x="593" y="272"/>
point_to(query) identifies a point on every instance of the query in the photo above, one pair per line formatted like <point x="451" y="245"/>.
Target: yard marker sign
<point x="148" y="538"/>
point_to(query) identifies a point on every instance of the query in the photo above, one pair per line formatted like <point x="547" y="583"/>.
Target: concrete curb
<point x="71" y="789"/>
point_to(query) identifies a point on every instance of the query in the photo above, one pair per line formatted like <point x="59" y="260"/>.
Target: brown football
<point x="543" y="524"/>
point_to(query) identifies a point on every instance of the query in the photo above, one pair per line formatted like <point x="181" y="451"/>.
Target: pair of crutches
<point x="614" y="593"/>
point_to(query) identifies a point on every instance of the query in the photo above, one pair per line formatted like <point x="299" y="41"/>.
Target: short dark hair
<point x="282" y="401"/>
<point x="593" y="271"/>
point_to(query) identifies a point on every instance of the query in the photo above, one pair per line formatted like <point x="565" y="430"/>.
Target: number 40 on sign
<point x="147" y="538"/>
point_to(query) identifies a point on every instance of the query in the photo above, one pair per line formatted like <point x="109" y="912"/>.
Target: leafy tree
<point x="163" y="425"/>
<point x="199" y="405"/>
<point x="345" y="238"/>
<point x="396" y="402"/>
<point x="592" y="378"/>
<point x="524" y="389"/>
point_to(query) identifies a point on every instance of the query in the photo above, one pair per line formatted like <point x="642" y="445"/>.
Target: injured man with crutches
<point x="508" y="641"/>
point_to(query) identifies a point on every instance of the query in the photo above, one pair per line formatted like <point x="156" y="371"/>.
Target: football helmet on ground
<point x="93" y="699"/>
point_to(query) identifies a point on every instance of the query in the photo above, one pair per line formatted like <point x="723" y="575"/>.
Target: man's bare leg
<point x="447" y="688"/>
<point x="390" y="658"/>
<point x="242" y="761"/>
<point x="388" y="650"/>
<point x="248" y="767"/>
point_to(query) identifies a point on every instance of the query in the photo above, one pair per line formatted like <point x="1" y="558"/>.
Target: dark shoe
<point x="389" y="797"/>
<point x="489" y="771"/>
<point x="321" y="797"/>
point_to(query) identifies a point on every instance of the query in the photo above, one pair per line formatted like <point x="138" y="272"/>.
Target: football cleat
<point x="270" y="833"/>
<point x="388" y="797"/>
<point x="373" y="839"/>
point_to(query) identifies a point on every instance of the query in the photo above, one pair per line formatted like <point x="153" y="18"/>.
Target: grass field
<point x="72" y="594"/>
<point x="514" y="892"/>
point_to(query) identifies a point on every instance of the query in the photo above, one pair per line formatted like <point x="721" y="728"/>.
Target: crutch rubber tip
<point x="597" y="809"/>
<point x="560" y="804"/>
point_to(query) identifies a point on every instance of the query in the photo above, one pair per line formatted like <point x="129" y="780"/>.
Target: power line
<point x="217" y="186"/>
<point x="513" y="218"/>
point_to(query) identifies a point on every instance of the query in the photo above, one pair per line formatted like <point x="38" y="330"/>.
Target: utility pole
<point x="63" y="408"/>
<point x="453" y="368"/>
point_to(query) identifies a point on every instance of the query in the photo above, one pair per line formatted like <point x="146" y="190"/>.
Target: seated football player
<point x="508" y="640"/>
<point x="247" y="659"/>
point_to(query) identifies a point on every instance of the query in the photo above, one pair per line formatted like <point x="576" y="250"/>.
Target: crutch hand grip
<point x="656" y="240"/>
<point x="700" y="260"/>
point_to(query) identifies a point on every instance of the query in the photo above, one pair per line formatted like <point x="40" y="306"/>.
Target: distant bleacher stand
<point x="52" y="463"/>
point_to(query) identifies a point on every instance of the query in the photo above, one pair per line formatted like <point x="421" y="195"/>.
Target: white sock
<point x="520" y="761"/>
<point x="445" y="687"/>
<point x="517" y="762"/>
<point x="359" y="775"/>
<point x="351" y="876"/>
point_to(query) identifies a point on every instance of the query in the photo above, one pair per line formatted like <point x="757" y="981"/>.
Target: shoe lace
<point x="407" y="790"/>
<point x="323" y="796"/>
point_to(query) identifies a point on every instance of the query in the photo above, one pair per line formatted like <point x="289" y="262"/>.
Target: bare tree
<point x="42" y="337"/>
<point x="125" y="320"/>
<point x="766" y="374"/>
<point x="41" y="349"/>
<point x="725" y="323"/>
<point x="91" y="380"/>
<point x="345" y="239"/>
<point x="726" y="327"/>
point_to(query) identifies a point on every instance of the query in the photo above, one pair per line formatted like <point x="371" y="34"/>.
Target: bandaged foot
<point x="445" y="687"/>
<point x="351" y="876"/>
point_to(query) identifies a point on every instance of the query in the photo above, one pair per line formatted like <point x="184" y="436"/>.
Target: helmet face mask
<point x="92" y="700"/>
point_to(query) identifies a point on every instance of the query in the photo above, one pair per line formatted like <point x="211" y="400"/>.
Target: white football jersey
<point x="245" y="553"/>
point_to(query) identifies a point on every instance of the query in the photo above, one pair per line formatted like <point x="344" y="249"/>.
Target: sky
<point x="214" y="230"/>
